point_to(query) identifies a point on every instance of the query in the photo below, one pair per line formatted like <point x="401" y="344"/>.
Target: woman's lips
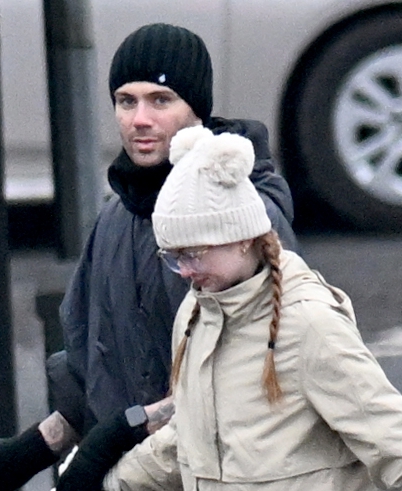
<point x="200" y="281"/>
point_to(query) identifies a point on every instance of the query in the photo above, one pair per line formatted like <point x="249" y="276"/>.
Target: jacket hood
<point x="300" y="283"/>
<point x="251" y="129"/>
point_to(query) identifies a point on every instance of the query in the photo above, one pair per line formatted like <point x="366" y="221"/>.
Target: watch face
<point x="136" y="416"/>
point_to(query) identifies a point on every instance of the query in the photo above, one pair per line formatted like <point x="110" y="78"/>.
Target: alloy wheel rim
<point x="367" y="125"/>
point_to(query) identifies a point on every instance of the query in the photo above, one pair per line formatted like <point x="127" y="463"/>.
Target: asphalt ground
<point x="368" y="268"/>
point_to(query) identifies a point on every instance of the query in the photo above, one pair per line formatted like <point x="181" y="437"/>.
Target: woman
<point x="274" y="388"/>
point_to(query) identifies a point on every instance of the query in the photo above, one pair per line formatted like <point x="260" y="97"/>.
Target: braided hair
<point x="268" y="247"/>
<point x="178" y="359"/>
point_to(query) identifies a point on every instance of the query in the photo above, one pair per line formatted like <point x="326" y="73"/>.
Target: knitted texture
<point x="208" y="199"/>
<point x="166" y="55"/>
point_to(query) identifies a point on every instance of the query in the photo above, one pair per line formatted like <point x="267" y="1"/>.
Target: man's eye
<point x="162" y="100"/>
<point x="125" y="101"/>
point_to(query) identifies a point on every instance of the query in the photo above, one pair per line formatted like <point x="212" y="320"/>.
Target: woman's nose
<point x="186" y="271"/>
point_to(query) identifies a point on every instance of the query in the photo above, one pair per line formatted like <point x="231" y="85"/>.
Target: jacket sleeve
<point x="350" y="391"/>
<point x="66" y="392"/>
<point x="271" y="186"/>
<point x="150" y="466"/>
<point x="67" y="370"/>
<point x="74" y="311"/>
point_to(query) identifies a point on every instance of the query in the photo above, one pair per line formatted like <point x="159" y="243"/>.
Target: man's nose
<point x="142" y="115"/>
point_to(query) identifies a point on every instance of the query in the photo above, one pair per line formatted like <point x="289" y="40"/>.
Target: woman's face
<point x="216" y="268"/>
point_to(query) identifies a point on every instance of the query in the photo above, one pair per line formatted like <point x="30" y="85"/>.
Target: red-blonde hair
<point x="268" y="247"/>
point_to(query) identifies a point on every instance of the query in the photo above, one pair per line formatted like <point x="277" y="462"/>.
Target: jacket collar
<point x="299" y="283"/>
<point x="252" y="292"/>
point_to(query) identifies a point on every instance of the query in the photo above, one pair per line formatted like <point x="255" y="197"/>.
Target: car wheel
<point x="347" y="123"/>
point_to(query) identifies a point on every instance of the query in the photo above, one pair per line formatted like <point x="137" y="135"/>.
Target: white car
<point x="324" y="75"/>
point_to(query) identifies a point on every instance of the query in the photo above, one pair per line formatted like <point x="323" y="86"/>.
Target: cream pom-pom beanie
<point x="208" y="198"/>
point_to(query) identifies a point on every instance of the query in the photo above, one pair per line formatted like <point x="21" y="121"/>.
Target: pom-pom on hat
<point x="166" y="55"/>
<point x="208" y="198"/>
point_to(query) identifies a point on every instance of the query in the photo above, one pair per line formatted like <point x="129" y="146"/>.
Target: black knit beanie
<point x="166" y="55"/>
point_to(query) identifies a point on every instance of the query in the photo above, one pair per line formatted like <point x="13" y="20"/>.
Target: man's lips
<point x="144" y="144"/>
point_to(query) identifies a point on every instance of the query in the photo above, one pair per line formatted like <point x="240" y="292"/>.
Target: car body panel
<point x="260" y="66"/>
<point x="255" y="47"/>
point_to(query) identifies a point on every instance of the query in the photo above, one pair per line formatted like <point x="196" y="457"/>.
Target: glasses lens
<point x="170" y="259"/>
<point x="176" y="259"/>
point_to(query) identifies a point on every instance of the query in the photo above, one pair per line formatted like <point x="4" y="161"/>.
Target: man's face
<point x="149" y="115"/>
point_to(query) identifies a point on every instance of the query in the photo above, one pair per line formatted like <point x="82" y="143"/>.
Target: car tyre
<point x="315" y="160"/>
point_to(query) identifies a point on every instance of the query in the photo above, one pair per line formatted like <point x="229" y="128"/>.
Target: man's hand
<point x="58" y="434"/>
<point x="159" y="414"/>
<point x="106" y="443"/>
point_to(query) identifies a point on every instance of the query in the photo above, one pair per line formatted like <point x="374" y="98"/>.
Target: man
<point x="118" y="311"/>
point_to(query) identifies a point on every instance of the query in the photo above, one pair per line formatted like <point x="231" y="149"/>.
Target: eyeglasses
<point x="190" y="258"/>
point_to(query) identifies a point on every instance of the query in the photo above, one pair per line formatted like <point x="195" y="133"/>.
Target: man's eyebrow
<point x="154" y="93"/>
<point x="162" y="92"/>
<point x="122" y="92"/>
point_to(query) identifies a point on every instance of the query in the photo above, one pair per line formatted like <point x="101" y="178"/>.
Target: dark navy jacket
<point x="118" y="311"/>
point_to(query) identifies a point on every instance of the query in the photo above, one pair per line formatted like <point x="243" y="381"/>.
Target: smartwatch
<point x="136" y="416"/>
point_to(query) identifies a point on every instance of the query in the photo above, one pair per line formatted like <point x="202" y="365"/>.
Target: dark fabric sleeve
<point x="22" y="457"/>
<point x="67" y="394"/>
<point x="74" y="312"/>
<point x="66" y="370"/>
<point x="100" y="450"/>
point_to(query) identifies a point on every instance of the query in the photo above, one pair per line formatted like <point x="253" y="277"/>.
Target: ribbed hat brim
<point x="178" y="231"/>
